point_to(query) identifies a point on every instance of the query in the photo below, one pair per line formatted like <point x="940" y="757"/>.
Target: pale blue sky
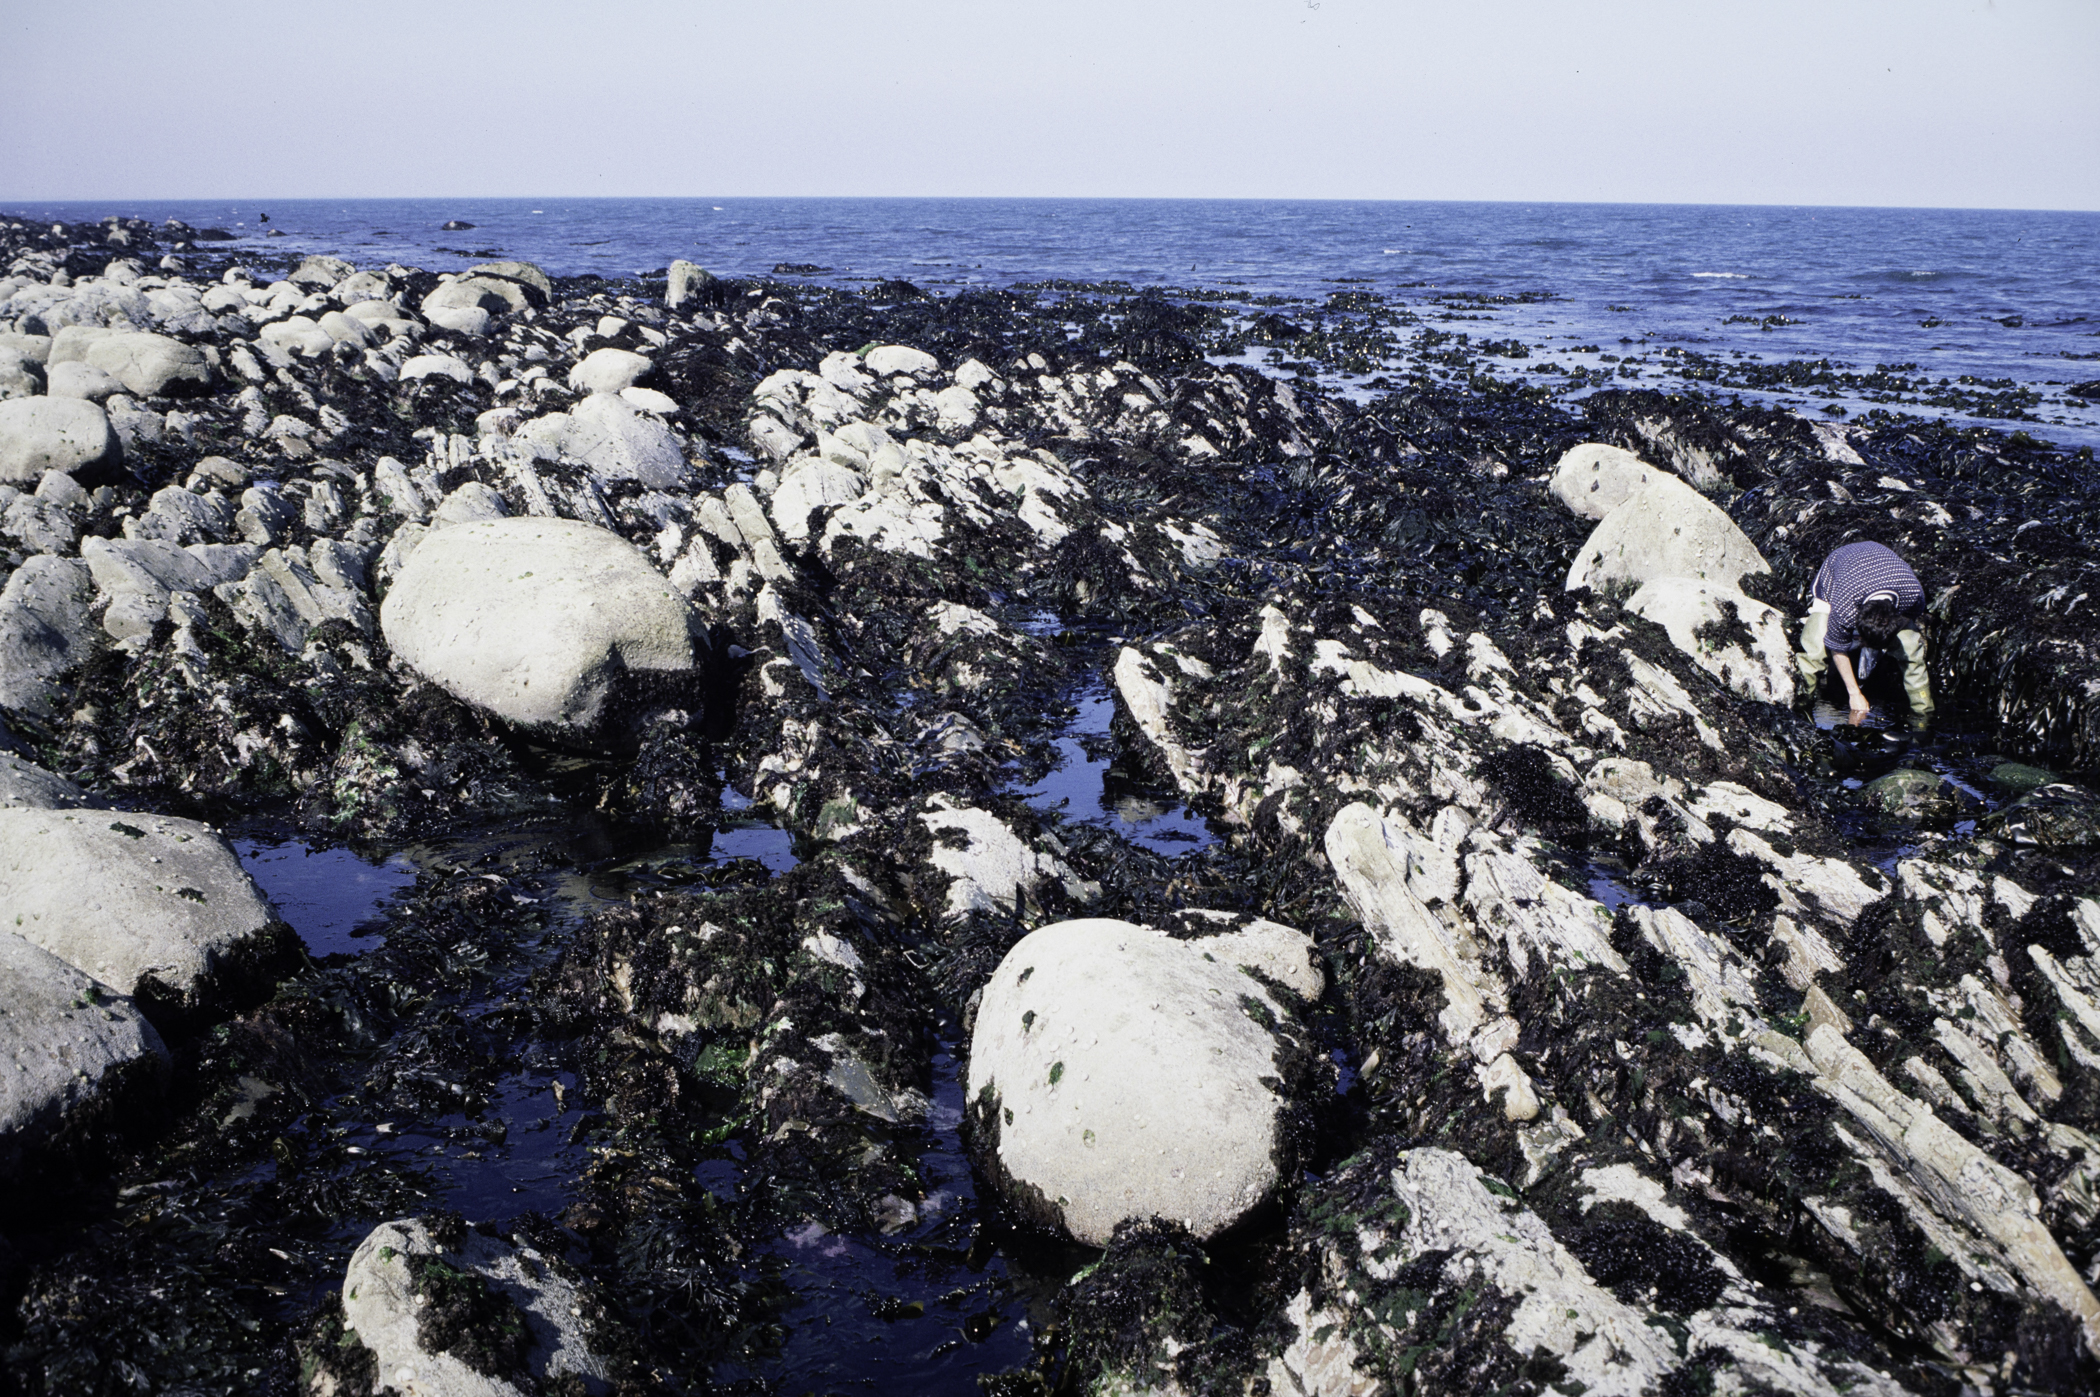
<point x="1908" y="102"/>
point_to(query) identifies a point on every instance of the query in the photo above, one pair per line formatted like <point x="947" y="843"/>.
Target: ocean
<point x="1984" y="316"/>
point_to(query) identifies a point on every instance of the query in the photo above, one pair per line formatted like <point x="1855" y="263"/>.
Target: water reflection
<point x="1081" y="787"/>
<point x="325" y="894"/>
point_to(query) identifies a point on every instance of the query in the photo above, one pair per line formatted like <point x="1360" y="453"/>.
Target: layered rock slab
<point x="538" y="621"/>
<point x="1740" y="641"/>
<point x="153" y="906"/>
<point x="1119" y="1073"/>
<point x="67" y="1048"/>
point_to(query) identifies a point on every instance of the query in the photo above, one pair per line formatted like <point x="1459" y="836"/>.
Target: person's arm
<point x="1841" y="660"/>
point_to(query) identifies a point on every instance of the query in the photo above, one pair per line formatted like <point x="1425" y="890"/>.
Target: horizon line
<point x="7" y="200"/>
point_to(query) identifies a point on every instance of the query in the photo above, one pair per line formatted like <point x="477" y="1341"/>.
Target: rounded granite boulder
<point x="1117" y="1072"/>
<point x="1665" y="529"/>
<point x="542" y="622"/>
<point x="1594" y="478"/>
<point x="54" y="434"/>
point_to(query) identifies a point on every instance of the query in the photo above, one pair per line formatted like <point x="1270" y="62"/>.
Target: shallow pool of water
<point x="325" y="894"/>
<point x="924" y="1310"/>
<point x="1080" y="788"/>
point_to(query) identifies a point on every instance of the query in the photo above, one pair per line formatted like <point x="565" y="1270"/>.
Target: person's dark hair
<point x="1878" y="622"/>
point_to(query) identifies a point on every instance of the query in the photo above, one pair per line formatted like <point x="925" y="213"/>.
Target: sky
<point x="1933" y="103"/>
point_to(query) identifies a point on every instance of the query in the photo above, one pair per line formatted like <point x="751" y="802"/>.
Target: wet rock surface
<point x="1623" y="1027"/>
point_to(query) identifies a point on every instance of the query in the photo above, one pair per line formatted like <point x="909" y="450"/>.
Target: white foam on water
<point x="1726" y="276"/>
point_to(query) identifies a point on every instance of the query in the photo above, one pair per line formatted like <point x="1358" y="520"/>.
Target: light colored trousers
<point x="1813" y="659"/>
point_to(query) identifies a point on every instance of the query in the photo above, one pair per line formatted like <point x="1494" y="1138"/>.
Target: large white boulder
<point x="54" y="434"/>
<point x="46" y="631"/>
<point x="66" y="1046"/>
<point x="526" y="273"/>
<point x="536" y="620"/>
<point x="75" y="379"/>
<point x="496" y="295"/>
<point x="149" y="904"/>
<point x="811" y="482"/>
<point x="1665" y="529"/>
<point x="609" y="370"/>
<point x="1594" y="479"/>
<point x="147" y="364"/>
<point x="460" y="320"/>
<point x="436" y="366"/>
<point x="685" y="283"/>
<point x="320" y="271"/>
<point x="384" y="1295"/>
<point x="888" y="359"/>
<point x="1740" y="641"/>
<point x="619" y="442"/>
<point x="1116" y="1072"/>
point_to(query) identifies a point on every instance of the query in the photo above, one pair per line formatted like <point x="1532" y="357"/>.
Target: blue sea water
<point x="2003" y="298"/>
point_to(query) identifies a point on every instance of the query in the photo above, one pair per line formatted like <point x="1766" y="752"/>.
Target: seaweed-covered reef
<point x="1583" y="1019"/>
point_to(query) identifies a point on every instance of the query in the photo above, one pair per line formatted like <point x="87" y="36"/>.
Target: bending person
<point x="1866" y="600"/>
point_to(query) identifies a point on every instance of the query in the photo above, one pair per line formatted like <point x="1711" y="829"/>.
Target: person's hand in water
<point x="1842" y="663"/>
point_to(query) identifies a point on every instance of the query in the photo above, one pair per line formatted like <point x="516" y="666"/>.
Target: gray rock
<point x="179" y="515"/>
<point x="437" y="366"/>
<point x="74" y="379"/>
<point x="1594" y="479"/>
<point x="320" y="271"/>
<point x="346" y="329"/>
<point x="460" y="320"/>
<point x="688" y="280"/>
<point x="144" y="566"/>
<point x="264" y="517"/>
<point x="68" y="1051"/>
<point x="1666" y="529"/>
<point x="147" y="364"/>
<point x="27" y="349"/>
<point x="525" y="272"/>
<point x="338" y="564"/>
<point x="609" y="371"/>
<point x="147" y="904"/>
<point x="46" y="434"/>
<point x="469" y="504"/>
<point x="607" y="434"/>
<point x="394" y="484"/>
<point x="61" y="489"/>
<point x="1740" y="641"/>
<point x="492" y="294"/>
<point x="363" y="286"/>
<point x="27" y="785"/>
<point x="284" y="598"/>
<point x="134" y="425"/>
<point x="1117" y="1073"/>
<point x="45" y="631"/>
<point x="18" y="378"/>
<point x="381" y="1304"/>
<point x="888" y="359"/>
<point x="40" y="525"/>
<point x="535" y="620"/>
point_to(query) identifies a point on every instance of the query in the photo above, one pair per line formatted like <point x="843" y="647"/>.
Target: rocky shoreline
<point x="1557" y="1006"/>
